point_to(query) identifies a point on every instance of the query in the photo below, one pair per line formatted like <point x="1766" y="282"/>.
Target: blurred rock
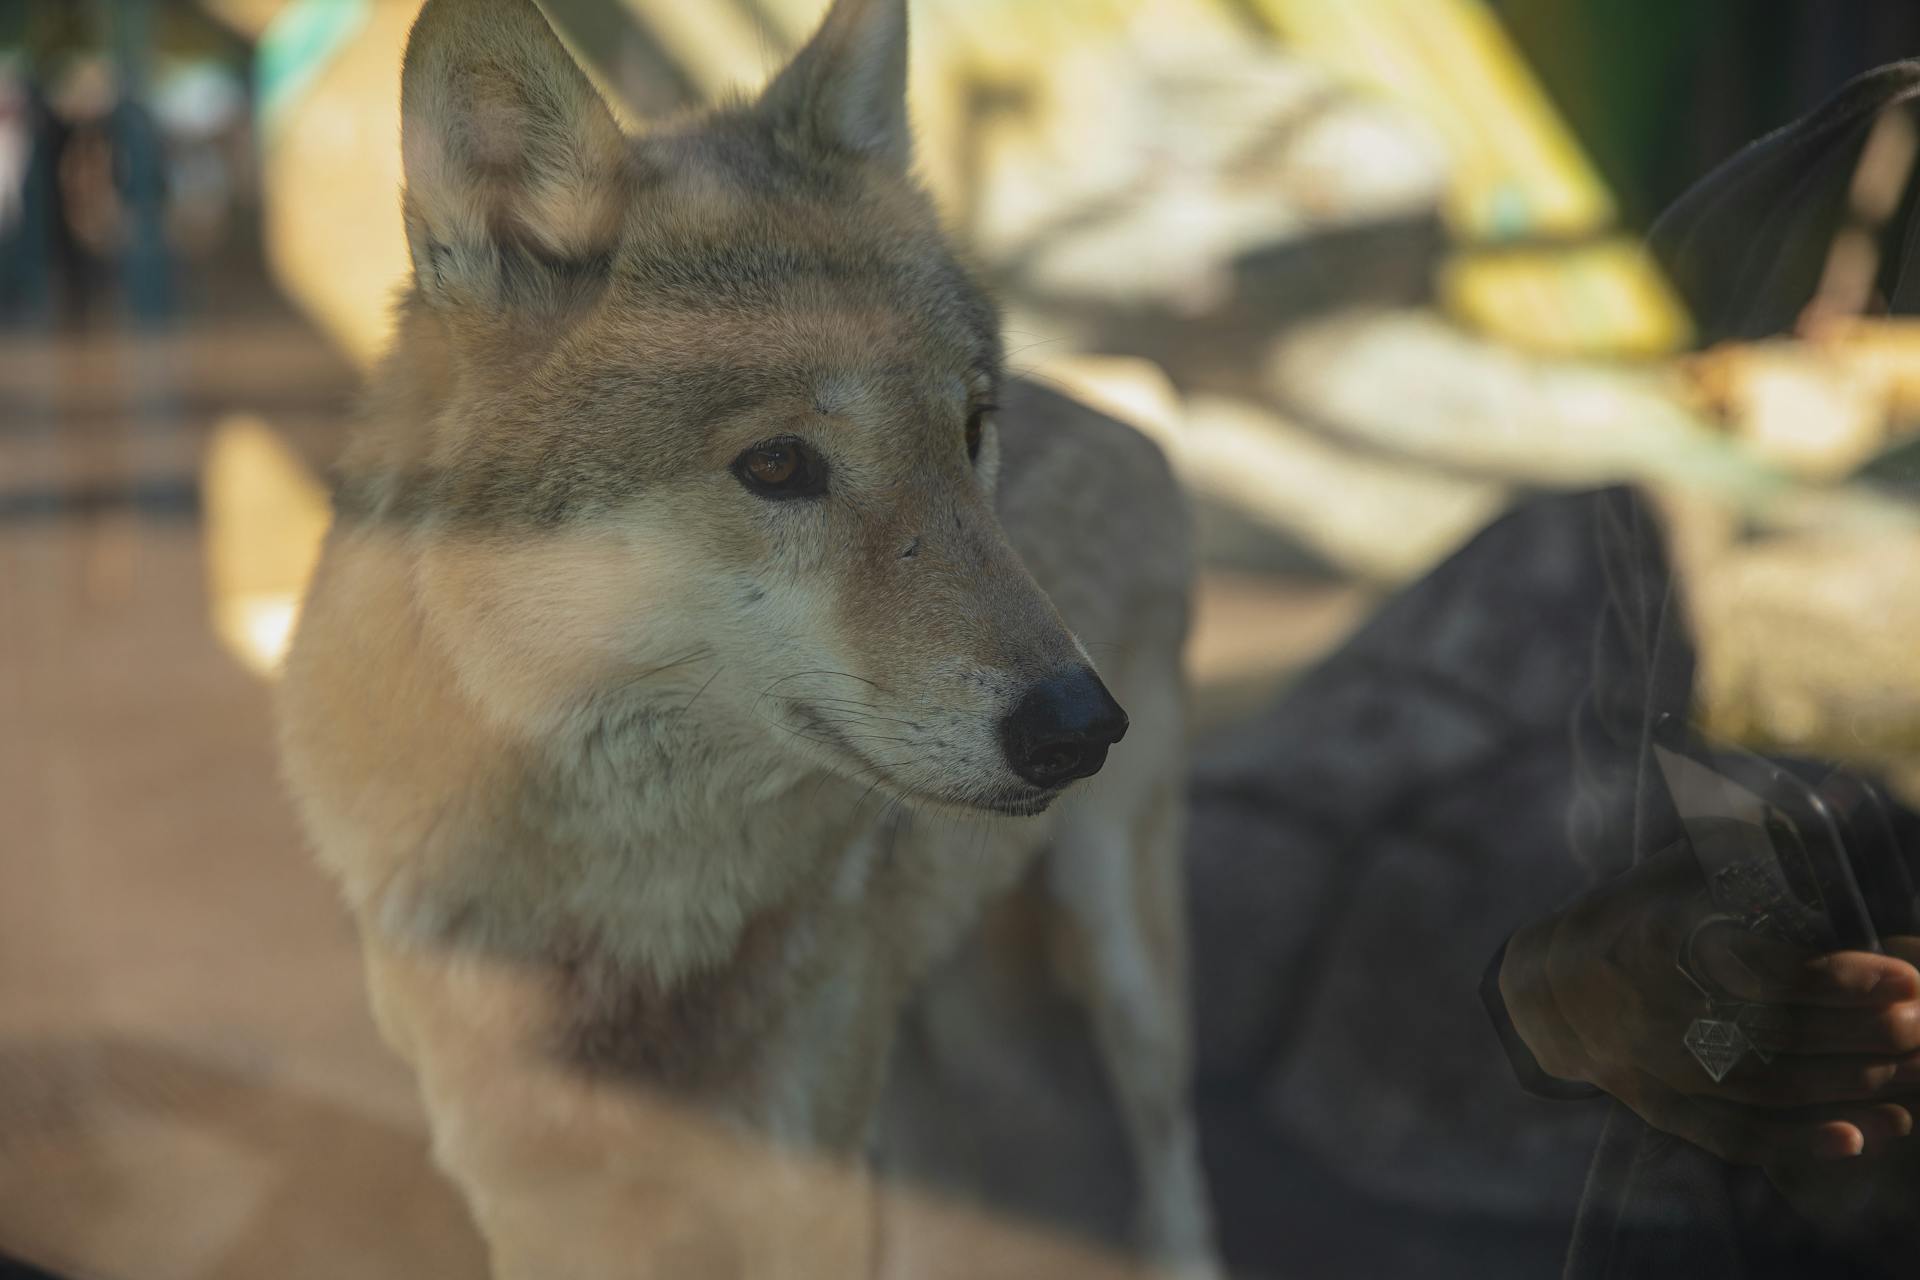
<point x="1277" y="497"/>
<point x="1806" y="637"/>
<point x="1230" y="147"/>
<point x="1410" y="383"/>
<point x="1599" y="298"/>
<point x="1359" y="850"/>
<point x="1372" y="515"/>
<point x="1816" y="420"/>
<point x="1136" y="391"/>
<point x="1821" y="408"/>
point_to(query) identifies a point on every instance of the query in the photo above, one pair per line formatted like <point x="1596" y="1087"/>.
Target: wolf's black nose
<point x="1061" y="729"/>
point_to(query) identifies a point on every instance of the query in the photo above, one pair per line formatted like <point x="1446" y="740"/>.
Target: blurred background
<point x="1368" y="269"/>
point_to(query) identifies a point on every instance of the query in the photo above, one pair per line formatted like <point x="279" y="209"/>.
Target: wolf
<point x="704" y="633"/>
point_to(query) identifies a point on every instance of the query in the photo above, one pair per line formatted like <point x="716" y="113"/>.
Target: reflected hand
<point x="1598" y="995"/>
<point x="1869" y="1203"/>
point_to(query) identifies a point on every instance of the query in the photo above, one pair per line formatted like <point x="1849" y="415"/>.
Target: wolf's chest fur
<point x="698" y="918"/>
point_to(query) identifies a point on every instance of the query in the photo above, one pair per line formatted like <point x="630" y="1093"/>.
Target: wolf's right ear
<point x="516" y="174"/>
<point x="846" y="90"/>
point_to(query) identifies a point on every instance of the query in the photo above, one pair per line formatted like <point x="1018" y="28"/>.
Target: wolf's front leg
<point x="1115" y="875"/>
<point x="570" y="1176"/>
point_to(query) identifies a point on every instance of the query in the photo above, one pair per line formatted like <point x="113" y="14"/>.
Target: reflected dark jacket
<point x="1746" y="248"/>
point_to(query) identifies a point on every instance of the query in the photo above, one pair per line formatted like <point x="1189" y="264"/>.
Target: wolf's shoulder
<point x="1093" y="507"/>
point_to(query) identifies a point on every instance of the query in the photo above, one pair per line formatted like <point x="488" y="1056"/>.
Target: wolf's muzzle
<point x="1061" y="729"/>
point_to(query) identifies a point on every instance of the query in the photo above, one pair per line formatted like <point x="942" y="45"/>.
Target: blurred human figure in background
<point x="89" y="221"/>
<point x="1803" y="1164"/>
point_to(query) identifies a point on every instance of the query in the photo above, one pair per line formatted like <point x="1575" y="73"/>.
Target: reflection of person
<point x="1801" y="1165"/>
<point x="97" y="183"/>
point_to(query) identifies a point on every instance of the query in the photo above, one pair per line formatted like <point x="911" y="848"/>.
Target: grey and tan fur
<point x="653" y="797"/>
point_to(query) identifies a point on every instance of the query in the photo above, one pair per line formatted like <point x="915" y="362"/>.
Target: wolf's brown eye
<point x="781" y="469"/>
<point x="976" y="429"/>
<point x="772" y="466"/>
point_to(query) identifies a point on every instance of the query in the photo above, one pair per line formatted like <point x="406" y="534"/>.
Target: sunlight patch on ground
<point x="265" y="520"/>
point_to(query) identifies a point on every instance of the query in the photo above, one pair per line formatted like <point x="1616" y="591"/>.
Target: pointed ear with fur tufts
<point x="516" y="174"/>
<point x="846" y="91"/>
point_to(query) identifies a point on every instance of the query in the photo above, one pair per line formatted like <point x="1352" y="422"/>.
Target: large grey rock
<point x="1359" y="851"/>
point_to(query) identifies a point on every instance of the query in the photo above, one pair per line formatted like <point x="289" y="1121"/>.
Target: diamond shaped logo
<point x="1765" y="1028"/>
<point x="1717" y="1045"/>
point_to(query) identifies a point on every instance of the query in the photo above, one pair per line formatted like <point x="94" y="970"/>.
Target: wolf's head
<point x="708" y="424"/>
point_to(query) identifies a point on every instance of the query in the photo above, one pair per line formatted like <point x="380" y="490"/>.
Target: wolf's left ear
<point x="516" y="174"/>
<point x="846" y="91"/>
